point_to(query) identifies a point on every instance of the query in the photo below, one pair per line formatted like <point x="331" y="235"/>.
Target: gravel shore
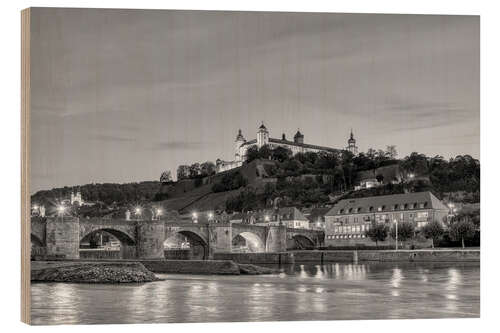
<point x="92" y="273"/>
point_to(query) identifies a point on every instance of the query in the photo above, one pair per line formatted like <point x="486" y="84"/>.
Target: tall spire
<point x="352" y="135"/>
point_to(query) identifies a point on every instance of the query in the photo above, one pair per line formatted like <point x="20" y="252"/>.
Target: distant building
<point x="263" y="138"/>
<point x="290" y="217"/>
<point x="347" y="221"/>
<point x="389" y="174"/>
<point x="351" y="145"/>
<point x="316" y="217"/>
<point x="76" y="198"/>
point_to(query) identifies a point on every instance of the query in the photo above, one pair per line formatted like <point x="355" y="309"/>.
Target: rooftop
<point x="387" y="203"/>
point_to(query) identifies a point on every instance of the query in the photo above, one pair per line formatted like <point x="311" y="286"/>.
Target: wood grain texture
<point x="25" y="166"/>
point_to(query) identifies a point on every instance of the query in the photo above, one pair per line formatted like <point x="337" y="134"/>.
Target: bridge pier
<point x="63" y="237"/>
<point x="150" y="238"/>
<point x="276" y="239"/>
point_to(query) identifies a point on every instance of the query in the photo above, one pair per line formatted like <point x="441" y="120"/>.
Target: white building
<point x="263" y="138"/>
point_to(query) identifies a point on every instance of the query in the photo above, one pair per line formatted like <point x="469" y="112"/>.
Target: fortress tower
<point x="351" y="144"/>
<point x="262" y="136"/>
<point x="239" y="141"/>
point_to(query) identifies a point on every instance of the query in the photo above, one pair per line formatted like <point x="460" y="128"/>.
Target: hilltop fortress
<point x="296" y="146"/>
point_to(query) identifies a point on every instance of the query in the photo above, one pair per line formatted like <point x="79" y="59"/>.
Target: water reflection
<point x="298" y="292"/>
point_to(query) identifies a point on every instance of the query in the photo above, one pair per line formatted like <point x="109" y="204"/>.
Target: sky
<point x="122" y="95"/>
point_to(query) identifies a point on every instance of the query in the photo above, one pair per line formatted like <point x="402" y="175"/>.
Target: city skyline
<point x="127" y="104"/>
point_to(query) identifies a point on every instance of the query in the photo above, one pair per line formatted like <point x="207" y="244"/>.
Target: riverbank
<point x="126" y="271"/>
<point x="325" y="256"/>
<point x="85" y="272"/>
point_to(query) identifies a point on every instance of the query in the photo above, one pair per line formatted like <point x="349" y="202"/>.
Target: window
<point x="421" y="205"/>
<point x="421" y="224"/>
<point x="371" y="209"/>
<point x="411" y="215"/>
<point x="406" y="206"/>
<point x="362" y="227"/>
<point x="422" y="214"/>
<point x="358" y="209"/>
<point x="396" y="207"/>
<point x="402" y="216"/>
<point x="379" y="209"/>
<point x="355" y="219"/>
<point x="350" y="210"/>
<point x="336" y="229"/>
<point x="341" y="211"/>
<point x="358" y="228"/>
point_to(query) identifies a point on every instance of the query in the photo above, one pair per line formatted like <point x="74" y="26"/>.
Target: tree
<point x="194" y="170"/>
<point x="377" y="232"/>
<point x="207" y="168"/>
<point x="391" y="152"/>
<point x="252" y="153"/>
<point x="166" y="177"/>
<point x="415" y="163"/>
<point x="265" y="152"/>
<point x="433" y="231"/>
<point x="182" y="172"/>
<point x="405" y="231"/>
<point x="462" y="230"/>
<point x="281" y="154"/>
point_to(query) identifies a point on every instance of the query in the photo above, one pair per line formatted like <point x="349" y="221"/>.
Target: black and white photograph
<point x="196" y="166"/>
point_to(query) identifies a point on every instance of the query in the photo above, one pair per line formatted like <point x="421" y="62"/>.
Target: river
<point x="299" y="292"/>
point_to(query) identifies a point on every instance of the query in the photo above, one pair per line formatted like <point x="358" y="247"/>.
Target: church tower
<point x="298" y="137"/>
<point x="351" y="144"/>
<point x="262" y="136"/>
<point x="239" y="141"/>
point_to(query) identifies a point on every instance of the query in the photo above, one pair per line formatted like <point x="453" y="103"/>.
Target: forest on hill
<point x="106" y="193"/>
<point x="302" y="180"/>
<point x="310" y="179"/>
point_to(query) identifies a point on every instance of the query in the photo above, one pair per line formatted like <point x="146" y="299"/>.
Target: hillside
<point x="278" y="177"/>
<point x="107" y="193"/>
<point x="198" y="194"/>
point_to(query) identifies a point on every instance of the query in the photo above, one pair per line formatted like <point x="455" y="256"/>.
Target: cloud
<point x="179" y="145"/>
<point x="112" y="138"/>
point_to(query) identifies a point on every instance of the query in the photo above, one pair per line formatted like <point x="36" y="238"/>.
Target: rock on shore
<point x="250" y="269"/>
<point x="94" y="273"/>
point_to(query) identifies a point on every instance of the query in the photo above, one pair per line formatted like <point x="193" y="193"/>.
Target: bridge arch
<point x="301" y="241"/>
<point x="127" y="249"/>
<point x="193" y="240"/>
<point x="247" y="241"/>
<point x="123" y="237"/>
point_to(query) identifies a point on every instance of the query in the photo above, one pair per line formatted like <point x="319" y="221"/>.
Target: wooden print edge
<point x="25" y="166"/>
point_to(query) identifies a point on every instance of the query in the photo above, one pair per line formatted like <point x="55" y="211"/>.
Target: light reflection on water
<point x="298" y="292"/>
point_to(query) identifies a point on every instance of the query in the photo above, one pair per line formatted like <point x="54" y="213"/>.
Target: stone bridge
<point x="145" y="239"/>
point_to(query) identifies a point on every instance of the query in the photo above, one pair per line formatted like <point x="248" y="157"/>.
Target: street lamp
<point x="159" y="211"/>
<point x="210" y="216"/>
<point x="60" y="210"/>
<point x="138" y="212"/>
<point x="396" y="221"/>
<point x="195" y="217"/>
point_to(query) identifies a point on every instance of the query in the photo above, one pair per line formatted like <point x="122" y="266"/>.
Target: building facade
<point x="263" y="138"/>
<point x="349" y="219"/>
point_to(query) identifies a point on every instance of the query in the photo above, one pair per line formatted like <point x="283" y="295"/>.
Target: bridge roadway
<point x="145" y="239"/>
